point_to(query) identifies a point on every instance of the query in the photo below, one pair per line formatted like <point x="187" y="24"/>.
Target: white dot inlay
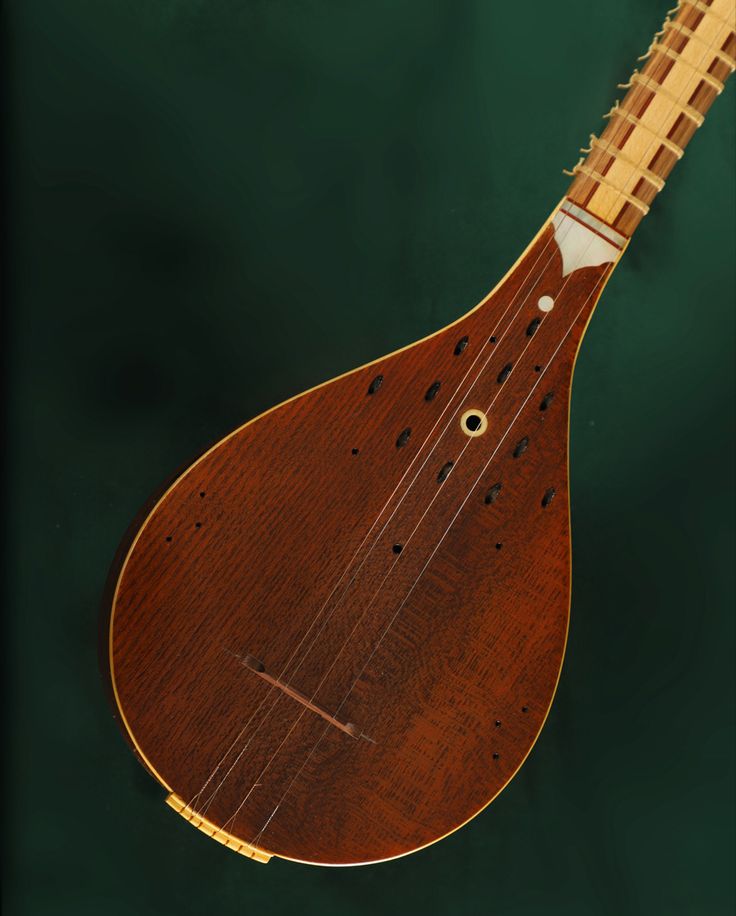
<point x="546" y="304"/>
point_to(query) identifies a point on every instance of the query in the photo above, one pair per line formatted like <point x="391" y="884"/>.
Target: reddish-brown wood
<point x="446" y="657"/>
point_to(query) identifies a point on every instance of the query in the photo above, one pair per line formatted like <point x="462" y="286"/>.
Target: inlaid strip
<point x="722" y="56"/>
<point x="657" y="88"/>
<point x="581" y="169"/>
<point x="659" y="48"/>
<point x="589" y="219"/>
<point x="580" y="246"/>
<point x="617" y="153"/>
<point x="637" y="122"/>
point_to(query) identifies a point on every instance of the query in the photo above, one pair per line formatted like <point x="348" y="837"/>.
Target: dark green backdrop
<point x="214" y="204"/>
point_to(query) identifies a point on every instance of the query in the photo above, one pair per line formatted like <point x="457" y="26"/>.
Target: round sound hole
<point x="474" y="423"/>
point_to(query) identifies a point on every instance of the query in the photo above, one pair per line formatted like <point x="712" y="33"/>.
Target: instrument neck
<point x="685" y="69"/>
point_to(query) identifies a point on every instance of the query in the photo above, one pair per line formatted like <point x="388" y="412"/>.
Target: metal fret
<point x="657" y="88"/>
<point x="582" y="169"/>
<point x="637" y="122"/>
<point x="722" y="56"/>
<point x="617" y="153"/>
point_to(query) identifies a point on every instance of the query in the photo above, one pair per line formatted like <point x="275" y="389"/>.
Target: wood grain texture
<point x="445" y="655"/>
<point x="687" y="63"/>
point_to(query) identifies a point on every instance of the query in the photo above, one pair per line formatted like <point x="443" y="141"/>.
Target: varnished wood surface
<point x="445" y="661"/>
<point x="695" y="53"/>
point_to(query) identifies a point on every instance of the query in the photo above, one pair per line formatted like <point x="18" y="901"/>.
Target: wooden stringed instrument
<point x="336" y="636"/>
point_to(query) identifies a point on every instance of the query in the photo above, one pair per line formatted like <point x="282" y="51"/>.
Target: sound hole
<point x="474" y="423"/>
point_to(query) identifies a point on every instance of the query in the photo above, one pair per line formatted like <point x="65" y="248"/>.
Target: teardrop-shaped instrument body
<point x="337" y="635"/>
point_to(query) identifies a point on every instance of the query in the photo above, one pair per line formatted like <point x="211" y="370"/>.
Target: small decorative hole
<point x="493" y="339"/>
<point x="496" y="756"/>
<point x="497" y="723"/>
<point x="169" y="538"/>
<point x="432" y="391"/>
<point x="202" y="494"/>
<point x="499" y="545"/>
<point x="444" y="471"/>
<point x="397" y="548"/>
<point x="504" y="373"/>
<point x="492" y="494"/>
<point x="546" y="400"/>
<point x="473" y="423"/>
<point x="461" y="345"/>
<point x="355" y="451"/>
<point x="521" y="446"/>
<point x="375" y="384"/>
<point x="549" y="495"/>
<point x="533" y="325"/>
<point x="403" y="437"/>
<point x="537" y="368"/>
<point x="198" y="524"/>
<point x="525" y="709"/>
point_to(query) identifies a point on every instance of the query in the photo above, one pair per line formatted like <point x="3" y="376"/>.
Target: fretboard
<point x="686" y="67"/>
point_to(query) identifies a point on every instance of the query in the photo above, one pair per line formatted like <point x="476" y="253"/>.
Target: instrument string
<point x="369" y="605"/>
<point x="651" y="145"/>
<point x="398" y="610"/>
<point x="499" y="337"/>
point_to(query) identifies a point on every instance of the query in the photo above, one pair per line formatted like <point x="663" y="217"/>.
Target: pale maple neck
<point x="686" y="67"/>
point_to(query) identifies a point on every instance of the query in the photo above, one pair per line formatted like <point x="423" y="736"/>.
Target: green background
<point x="213" y="205"/>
